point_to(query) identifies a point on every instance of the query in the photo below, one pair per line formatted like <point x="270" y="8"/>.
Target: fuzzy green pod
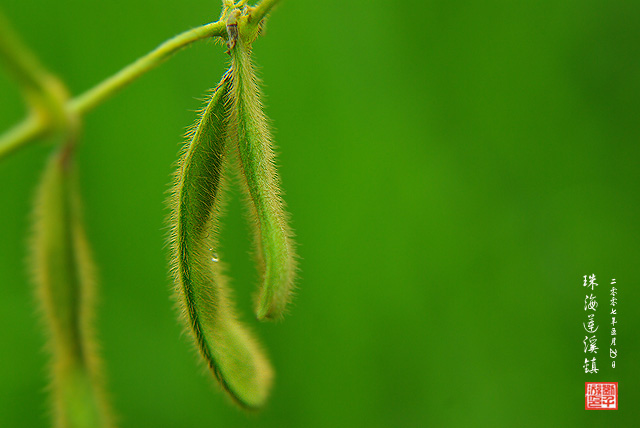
<point x="274" y="247"/>
<point x="64" y="273"/>
<point x="226" y="345"/>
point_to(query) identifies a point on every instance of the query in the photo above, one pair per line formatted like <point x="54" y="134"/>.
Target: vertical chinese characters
<point x="613" y="349"/>
<point x="590" y="340"/>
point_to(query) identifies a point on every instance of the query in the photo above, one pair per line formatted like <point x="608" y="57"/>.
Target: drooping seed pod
<point x="274" y="247"/>
<point x="226" y="345"/>
<point x="64" y="273"/>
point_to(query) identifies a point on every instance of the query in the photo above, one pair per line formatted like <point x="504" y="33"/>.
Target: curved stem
<point x="43" y="92"/>
<point x="20" y="61"/>
<point x="94" y="96"/>
<point x="261" y="10"/>
<point x="33" y="126"/>
<point x="29" y="129"/>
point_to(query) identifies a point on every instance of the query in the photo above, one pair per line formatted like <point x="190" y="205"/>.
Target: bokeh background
<point x="453" y="169"/>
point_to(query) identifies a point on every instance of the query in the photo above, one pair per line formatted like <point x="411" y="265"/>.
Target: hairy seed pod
<point x="64" y="273"/>
<point x="274" y="246"/>
<point x="225" y="344"/>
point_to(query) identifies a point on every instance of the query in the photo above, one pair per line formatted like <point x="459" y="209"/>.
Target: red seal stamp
<point x="601" y="395"/>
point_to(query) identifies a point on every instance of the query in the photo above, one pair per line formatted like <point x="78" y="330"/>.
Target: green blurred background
<point x="453" y="169"/>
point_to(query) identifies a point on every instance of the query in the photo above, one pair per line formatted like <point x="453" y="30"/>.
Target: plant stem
<point x="261" y="10"/>
<point x="43" y="92"/>
<point x="34" y="126"/>
<point x="94" y="96"/>
<point x="29" y="129"/>
<point x="21" y="62"/>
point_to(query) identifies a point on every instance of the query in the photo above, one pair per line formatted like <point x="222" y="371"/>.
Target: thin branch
<point x="21" y="62"/>
<point x="262" y="9"/>
<point x="94" y="96"/>
<point x="43" y="92"/>
<point x="21" y="134"/>
<point x="34" y="126"/>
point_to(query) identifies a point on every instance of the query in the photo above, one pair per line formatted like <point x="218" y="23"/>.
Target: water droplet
<point x="214" y="256"/>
